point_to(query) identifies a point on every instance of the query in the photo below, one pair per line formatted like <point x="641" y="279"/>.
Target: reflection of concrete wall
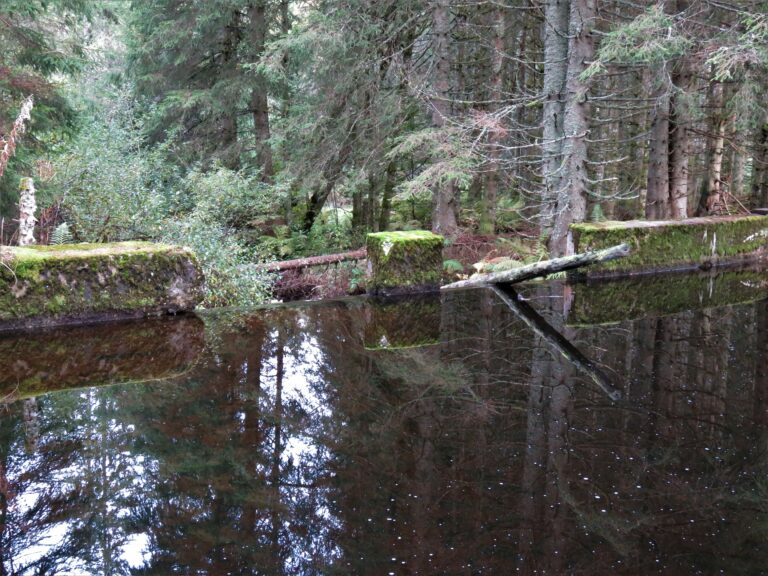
<point x="615" y="301"/>
<point x="32" y="364"/>
<point x="403" y="322"/>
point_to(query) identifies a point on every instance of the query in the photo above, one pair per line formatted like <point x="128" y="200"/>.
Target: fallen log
<point x="556" y="340"/>
<point x="301" y="263"/>
<point x="543" y="268"/>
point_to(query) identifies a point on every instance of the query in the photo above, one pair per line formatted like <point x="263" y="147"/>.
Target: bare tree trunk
<point x="657" y="185"/>
<point x="573" y="187"/>
<point x="445" y="199"/>
<point x="386" y="196"/>
<point x="711" y="195"/>
<point x="738" y="170"/>
<point x="555" y="68"/>
<point x="227" y="123"/>
<point x="679" y="147"/>
<point x="494" y="175"/>
<point x="760" y="168"/>
<point x="259" y="106"/>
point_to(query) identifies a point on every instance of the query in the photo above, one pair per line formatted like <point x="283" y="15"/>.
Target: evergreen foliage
<point x="282" y="128"/>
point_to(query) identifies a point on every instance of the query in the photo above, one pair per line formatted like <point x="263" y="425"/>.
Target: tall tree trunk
<point x="555" y="68"/>
<point x="445" y="198"/>
<point x="573" y="187"/>
<point x="494" y="171"/>
<point x="759" y="187"/>
<point x="227" y="125"/>
<point x="712" y="194"/>
<point x="259" y="106"/>
<point x="679" y="147"/>
<point x="657" y="184"/>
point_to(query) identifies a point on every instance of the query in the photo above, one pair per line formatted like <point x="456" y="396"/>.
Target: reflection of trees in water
<point x="293" y="449"/>
<point x="70" y="505"/>
<point x="663" y="481"/>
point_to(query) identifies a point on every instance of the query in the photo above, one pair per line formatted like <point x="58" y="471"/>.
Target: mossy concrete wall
<point x="112" y="353"/>
<point x="406" y="261"/>
<point x="614" y="301"/>
<point x="50" y="285"/>
<point x="672" y="244"/>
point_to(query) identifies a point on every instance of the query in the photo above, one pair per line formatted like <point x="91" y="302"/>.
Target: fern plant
<point x="61" y="234"/>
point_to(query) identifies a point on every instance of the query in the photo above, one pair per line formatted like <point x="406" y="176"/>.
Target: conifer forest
<point x="259" y="130"/>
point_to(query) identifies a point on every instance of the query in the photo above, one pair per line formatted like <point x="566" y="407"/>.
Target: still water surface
<point x="447" y="434"/>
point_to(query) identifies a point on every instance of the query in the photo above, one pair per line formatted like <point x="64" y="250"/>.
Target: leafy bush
<point x="232" y="276"/>
<point x="105" y="179"/>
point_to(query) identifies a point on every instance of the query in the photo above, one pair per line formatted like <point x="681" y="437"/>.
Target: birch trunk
<point x="27" y="208"/>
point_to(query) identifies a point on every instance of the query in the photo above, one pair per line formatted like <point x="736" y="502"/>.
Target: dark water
<point x="440" y="435"/>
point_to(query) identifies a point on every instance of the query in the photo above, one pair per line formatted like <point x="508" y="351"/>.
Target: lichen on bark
<point x="404" y="261"/>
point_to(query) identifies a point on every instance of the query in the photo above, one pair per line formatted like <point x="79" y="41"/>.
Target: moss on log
<point x="406" y="261"/>
<point x="81" y="356"/>
<point x="49" y="285"/>
<point x="614" y="301"/>
<point x="673" y="244"/>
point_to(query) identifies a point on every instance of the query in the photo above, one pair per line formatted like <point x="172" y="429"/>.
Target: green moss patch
<point x="78" y="357"/>
<point x="674" y="244"/>
<point x="613" y="301"/>
<point x="47" y="285"/>
<point x="403" y="261"/>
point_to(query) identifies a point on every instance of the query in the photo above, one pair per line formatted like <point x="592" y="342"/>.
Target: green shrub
<point x="233" y="278"/>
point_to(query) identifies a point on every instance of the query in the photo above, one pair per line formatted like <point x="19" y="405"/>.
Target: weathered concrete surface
<point x="52" y="285"/>
<point x="81" y="356"/>
<point x="401" y="262"/>
<point x="673" y="244"/>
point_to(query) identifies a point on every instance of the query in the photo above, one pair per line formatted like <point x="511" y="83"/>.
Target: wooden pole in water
<point x="543" y="268"/>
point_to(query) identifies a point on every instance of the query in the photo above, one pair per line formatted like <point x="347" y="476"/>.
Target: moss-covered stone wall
<point x="673" y="244"/>
<point x="49" y="285"/>
<point x="404" y="261"/>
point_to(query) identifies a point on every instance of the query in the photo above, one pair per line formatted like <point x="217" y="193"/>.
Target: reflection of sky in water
<point x="302" y="385"/>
